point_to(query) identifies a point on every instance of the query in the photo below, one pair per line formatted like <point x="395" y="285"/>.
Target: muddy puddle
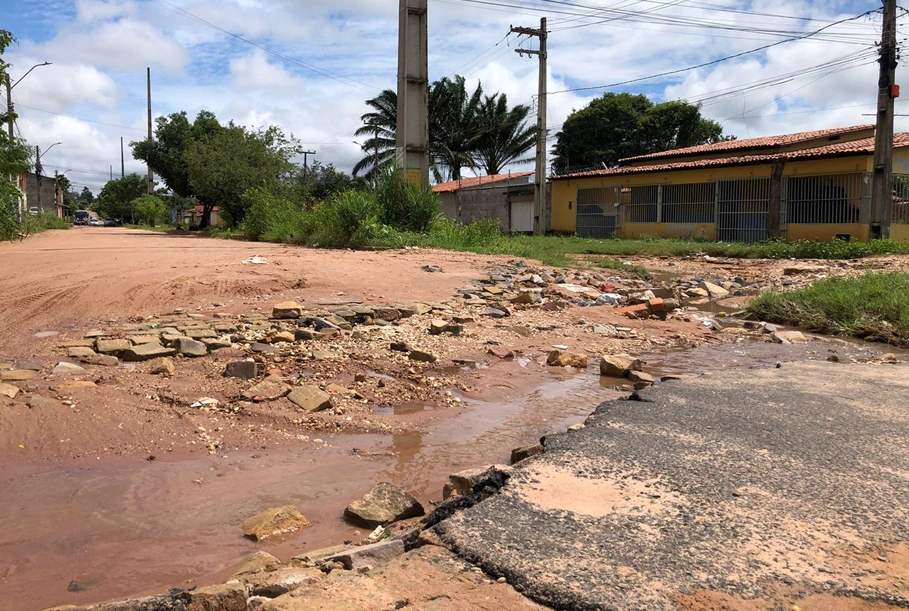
<point x="83" y="532"/>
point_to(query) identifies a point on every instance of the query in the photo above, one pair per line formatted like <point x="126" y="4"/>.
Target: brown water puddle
<point x="111" y="530"/>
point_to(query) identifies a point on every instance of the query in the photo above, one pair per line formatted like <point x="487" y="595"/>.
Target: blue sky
<point x="338" y="53"/>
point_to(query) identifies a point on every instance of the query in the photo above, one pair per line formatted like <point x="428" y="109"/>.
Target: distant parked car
<point x="34" y="211"/>
<point x="111" y="222"/>
<point x="94" y="222"/>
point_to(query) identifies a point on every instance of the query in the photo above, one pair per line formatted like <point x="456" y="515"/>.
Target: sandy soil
<point x="137" y="468"/>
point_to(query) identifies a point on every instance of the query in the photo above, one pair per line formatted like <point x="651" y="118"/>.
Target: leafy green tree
<point x="225" y="164"/>
<point x="85" y="199"/>
<point x="619" y="125"/>
<point x="117" y="196"/>
<point x="166" y="153"/>
<point x="319" y="182"/>
<point x="149" y="209"/>
<point x="15" y="159"/>
<point x="504" y="134"/>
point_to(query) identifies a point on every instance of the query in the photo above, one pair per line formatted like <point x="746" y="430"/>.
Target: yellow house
<point x="810" y="185"/>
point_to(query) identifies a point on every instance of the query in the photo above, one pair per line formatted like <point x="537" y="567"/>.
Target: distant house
<point x="42" y="195"/>
<point x="507" y="198"/>
<point x="193" y="216"/>
<point x="805" y="186"/>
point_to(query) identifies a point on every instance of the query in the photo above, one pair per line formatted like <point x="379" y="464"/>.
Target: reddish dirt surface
<point x="87" y="516"/>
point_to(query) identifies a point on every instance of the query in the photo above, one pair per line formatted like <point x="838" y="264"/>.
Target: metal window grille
<point x="596" y="215"/>
<point x="900" y="199"/>
<point x="644" y="202"/>
<point x="692" y="203"/>
<point x="742" y="206"/>
<point x="818" y="200"/>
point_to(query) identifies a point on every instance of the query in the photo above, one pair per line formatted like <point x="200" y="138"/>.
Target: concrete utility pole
<point x="412" y="145"/>
<point x="539" y="205"/>
<point x="151" y="175"/>
<point x="888" y="91"/>
<point x="122" y="160"/>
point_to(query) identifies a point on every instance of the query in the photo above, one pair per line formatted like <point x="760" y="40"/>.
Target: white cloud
<point x="344" y="51"/>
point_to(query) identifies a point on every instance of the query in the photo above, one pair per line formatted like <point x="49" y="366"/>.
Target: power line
<point x="712" y="62"/>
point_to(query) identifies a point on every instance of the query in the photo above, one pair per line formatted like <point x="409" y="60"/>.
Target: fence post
<point x="716" y="212"/>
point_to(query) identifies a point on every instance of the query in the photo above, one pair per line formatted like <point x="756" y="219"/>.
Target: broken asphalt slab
<point x="728" y="483"/>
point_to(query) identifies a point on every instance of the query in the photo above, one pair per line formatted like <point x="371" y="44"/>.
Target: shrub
<point x="346" y="219"/>
<point x="405" y="206"/>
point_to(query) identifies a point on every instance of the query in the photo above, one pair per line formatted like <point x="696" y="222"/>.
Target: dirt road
<point x="114" y="485"/>
<point x="63" y="278"/>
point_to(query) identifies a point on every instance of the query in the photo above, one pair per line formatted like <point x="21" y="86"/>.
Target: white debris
<point x="255" y="261"/>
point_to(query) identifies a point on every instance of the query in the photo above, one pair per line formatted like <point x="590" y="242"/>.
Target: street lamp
<point x="9" y="95"/>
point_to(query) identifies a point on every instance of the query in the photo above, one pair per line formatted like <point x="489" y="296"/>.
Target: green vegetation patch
<point x="874" y="306"/>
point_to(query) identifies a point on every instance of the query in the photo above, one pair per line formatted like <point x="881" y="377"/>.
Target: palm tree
<point x="505" y="136"/>
<point x="381" y="126"/>
<point x="453" y="129"/>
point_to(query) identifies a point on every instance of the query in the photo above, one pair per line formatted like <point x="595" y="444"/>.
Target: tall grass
<point x="872" y="305"/>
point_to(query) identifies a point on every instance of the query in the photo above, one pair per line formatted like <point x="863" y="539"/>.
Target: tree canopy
<point x="216" y="163"/>
<point x="619" y="125"/>
<point x="466" y="130"/>
<point x="117" y="196"/>
<point x="15" y="158"/>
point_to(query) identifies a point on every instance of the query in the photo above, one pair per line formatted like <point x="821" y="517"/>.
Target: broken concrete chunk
<point x="618" y="365"/>
<point x="287" y="310"/>
<point x="8" y="390"/>
<point x="275" y="521"/>
<point x="226" y="597"/>
<point x="112" y="346"/>
<point x="246" y="369"/>
<point x="76" y="352"/>
<point x="310" y="398"/>
<point x="421" y="357"/>
<point x="281" y="581"/>
<point x="190" y="347"/>
<point x="147" y="352"/>
<point x="789" y="337"/>
<point x="269" y="389"/>
<point x="384" y="504"/>
<point x="640" y="377"/>
<point x="104" y="360"/>
<point x="370" y="555"/>
<point x="64" y="368"/>
<point x="462" y="483"/>
<point x="561" y="358"/>
<point x="525" y="452"/>
<point x="163" y="366"/>
<point x="713" y="290"/>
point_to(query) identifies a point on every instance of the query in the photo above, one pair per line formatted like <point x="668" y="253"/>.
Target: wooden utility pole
<point x="412" y="133"/>
<point x="306" y="155"/>
<point x="151" y="175"/>
<point x="539" y="202"/>
<point x="888" y="91"/>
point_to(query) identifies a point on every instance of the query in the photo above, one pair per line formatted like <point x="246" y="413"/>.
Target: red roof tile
<point x="837" y="149"/>
<point x="765" y="142"/>
<point x="475" y="181"/>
